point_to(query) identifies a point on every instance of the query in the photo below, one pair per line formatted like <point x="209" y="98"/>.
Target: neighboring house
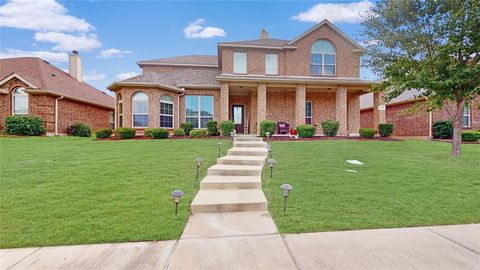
<point x="31" y="86"/>
<point x="408" y="112"/>
<point x="309" y="79"/>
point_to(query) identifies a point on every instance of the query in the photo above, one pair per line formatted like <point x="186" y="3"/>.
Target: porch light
<point x="286" y="189"/>
<point x="198" y="162"/>
<point x="177" y="195"/>
<point x="269" y="148"/>
<point x="271" y="164"/>
<point x="220" y="144"/>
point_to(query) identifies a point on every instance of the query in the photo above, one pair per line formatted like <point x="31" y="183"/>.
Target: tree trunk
<point x="457" y="128"/>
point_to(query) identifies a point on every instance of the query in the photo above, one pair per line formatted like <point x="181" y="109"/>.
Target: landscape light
<point x="232" y="135"/>
<point x="177" y="195"/>
<point x="269" y="148"/>
<point x="220" y="144"/>
<point x="198" y="162"/>
<point x="286" y="189"/>
<point x="267" y="134"/>
<point x="271" y="163"/>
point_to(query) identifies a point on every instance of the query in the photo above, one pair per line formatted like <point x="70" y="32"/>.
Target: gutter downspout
<point x="56" y="115"/>
<point x="178" y="107"/>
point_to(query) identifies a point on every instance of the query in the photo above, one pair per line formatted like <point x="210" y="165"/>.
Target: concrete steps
<point x="231" y="182"/>
<point x="248" y="151"/>
<point x="250" y="144"/>
<point x="238" y="170"/>
<point x="242" y="160"/>
<point x="229" y="200"/>
<point x="247" y="138"/>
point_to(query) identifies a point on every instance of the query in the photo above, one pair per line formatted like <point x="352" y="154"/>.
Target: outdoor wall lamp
<point x="269" y="148"/>
<point x="271" y="163"/>
<point x="198" y="162"/>
<point x="220" y="144"/>
<point x="177" y="195"/>
<point x="286" y="189"/>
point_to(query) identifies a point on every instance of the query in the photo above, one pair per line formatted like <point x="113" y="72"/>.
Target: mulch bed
<point x="336" y="138"/>
<point x="170" y="138"/>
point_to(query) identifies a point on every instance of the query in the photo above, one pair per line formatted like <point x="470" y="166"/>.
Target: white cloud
<point x="335" y="12"/>
<point x="197" y="30"/>
<point x="67" y="42"/>
<point x="124" y="76"/>
<point x="94" y="77"/>
<point x="45" y="55"/>
<point x="110" y="53"/>
<point x="44" y="15"/>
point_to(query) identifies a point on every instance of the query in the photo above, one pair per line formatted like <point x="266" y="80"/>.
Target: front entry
<point x="238" y="118"/>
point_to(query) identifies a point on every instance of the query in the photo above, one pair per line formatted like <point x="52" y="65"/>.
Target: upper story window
<point x="166" y="111"/>
<point x="271" y="64"/>
<point x="19" y="102"/>
<point x="466" y="116"/>
<point x="323" y="58"/>
<point x="120" y="110"/>
<point x="140" y="109"/>
<point x="240" y="62"/>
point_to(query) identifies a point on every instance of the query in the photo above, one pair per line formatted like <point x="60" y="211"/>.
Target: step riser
<point x="234" y="185"/>
<point x="240" y="162"/>
<point x="218" y="208"/>
<point x="247" y="153"/>
<point x="248" y="139"/>
<point x="235" y="172"/>
<point x="243" y="144"/>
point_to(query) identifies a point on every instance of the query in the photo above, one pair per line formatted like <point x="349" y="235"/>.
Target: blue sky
<point x="113" y="35"/>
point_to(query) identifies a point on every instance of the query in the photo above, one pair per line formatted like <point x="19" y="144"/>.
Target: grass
<point x="411" y="183"/>
<point x="77" y="190"/>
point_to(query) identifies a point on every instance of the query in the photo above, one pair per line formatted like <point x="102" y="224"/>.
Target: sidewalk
<point x="439" y="247"/>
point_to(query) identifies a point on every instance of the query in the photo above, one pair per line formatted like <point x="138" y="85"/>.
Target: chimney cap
<point x="264" y="34"/>
<point x="75" y="52"/>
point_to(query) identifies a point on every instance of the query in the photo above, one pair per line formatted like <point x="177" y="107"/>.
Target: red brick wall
<point x="366" y="118"/>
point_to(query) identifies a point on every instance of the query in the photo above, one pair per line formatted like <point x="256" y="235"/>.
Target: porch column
<point x="341" y="110"/>
<point x="353" y="114"/>
<point x="261" y="104"/>
<point x="379" y="110"/>
<point x="253" y="112"/>
<point x="300" y="94"/>
<point x="224" y="93"/>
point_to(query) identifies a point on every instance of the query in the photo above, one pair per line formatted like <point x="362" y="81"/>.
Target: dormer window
<point x="323" y="58"/>
<point x="240" y="62"/>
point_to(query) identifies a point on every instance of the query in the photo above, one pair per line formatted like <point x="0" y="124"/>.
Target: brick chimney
<point x="75" y="68"/>
<point x="264" y="34"/>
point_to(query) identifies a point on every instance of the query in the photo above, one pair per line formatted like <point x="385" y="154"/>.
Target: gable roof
<point x="44" y="76"/>
<point x="185" y="60"/>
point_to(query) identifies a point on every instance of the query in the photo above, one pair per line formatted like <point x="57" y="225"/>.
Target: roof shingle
<point x="210" y="60"/>
<point x="259" y="42"/>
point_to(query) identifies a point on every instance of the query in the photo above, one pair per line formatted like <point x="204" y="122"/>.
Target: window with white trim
<point x="140" y="110"/>
<point x="111" y="116"/>
<point x="166" y="111"/>
<point x="120" y="110"/>
<point x="199" y="110"/>
<point x="308" y="112"/>
<point x="323" y="58"/>
<point x="240" y="62"/>
<point x="466" y="115"/>
<point x="271" y="64"/>
<point x="19" y="102"/>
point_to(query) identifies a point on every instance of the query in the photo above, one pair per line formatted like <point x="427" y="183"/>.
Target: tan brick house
<point x="312" y="78"/>
<point x="31" y="86"/>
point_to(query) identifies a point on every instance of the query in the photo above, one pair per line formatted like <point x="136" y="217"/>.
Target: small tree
<point x="429" y="45"/>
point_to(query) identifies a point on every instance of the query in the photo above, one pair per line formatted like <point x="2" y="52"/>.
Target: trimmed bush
<point x="160" y="133"/>
<point x="197" y="133"/>
<point x="124" y="133"/>
<point x="385" y="130"/>
<point x="367" y="132"/>
<point x="471" y="136"/>
<point x="306" y="131"/>
<point x="226" y="127"/>
<point x="148" y="132"/>
<point x="443" y="129"/>
<point x="81" y="130"/>
<point x="24" y="125"/>
<point x="103" y="133"/>
<point x="330" y="128"/>
<point x="267" y="126"/>
<point x="187" y="127"/>
<point x="179" y="132"/>
<point x="212" y="128"/>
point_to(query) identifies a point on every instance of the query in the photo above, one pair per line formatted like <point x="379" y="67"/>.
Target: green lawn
<point x="77" y="190"/>
<point x="411" y="183"/>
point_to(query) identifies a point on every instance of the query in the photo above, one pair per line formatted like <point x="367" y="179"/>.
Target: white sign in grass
<point x="355" y="162"/>
<point x="352" y="171"/>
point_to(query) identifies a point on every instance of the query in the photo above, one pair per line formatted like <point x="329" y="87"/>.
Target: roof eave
<point x="295" y="80"/>
<point x="114" y="86"/>
<point x="239" y="45"/>
<point x="146" y="63"/>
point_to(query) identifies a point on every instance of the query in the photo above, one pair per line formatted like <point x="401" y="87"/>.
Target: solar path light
<point x="271" y="164"/>
<point x="220" y="144"/>
<point x="198" y="162"/>
<point x="286" y="189"/>
<point x="176" y="196"/>
<point x="269" y="148"/>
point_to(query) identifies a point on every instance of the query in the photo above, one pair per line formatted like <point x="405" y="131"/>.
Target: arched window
<point x="323" y="58"/>
<point x="19" y="102"/>
<point x="140" y="110"/>
<point x="166" y="111"/>
<point x="120" y="110"/>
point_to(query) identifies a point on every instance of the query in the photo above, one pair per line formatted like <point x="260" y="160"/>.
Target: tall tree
<point x="431" y="45"/>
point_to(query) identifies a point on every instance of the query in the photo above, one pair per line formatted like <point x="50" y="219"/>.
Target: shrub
<point x="24" y="125"/>
<point x="148" y="132"/>
<point x="125" y="133"/>
<point x="187" y="127"/>
<point x="267" y="126"/>
<point x="330" y="128"/>
<point x="103" y="133"/>
<point x="212" y="128"/>
<point x="196" y="133"/>
<point x="81" y="130"/>
<point x="160" y="133"/>
<point x="226" y="127"/>
<point x="471" y="136"/>
<point x="306" y="131"/>
<point x="179" y="132"/>
<point x="385" y="130"/>
<point x="367" y="132"/>
<point x="443" y="129"/>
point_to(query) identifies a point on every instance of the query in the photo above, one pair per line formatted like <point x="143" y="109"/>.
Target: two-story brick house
<point x="309" y="79"/>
